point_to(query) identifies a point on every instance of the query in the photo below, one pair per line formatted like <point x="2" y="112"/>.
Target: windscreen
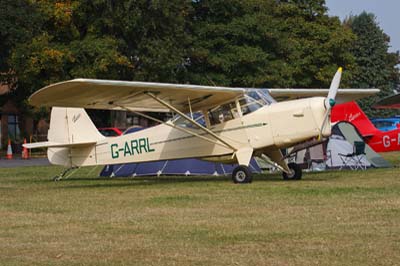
<point x="252" y="100"/>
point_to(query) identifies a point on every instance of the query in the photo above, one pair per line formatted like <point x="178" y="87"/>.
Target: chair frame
<point x="355" y="157"/>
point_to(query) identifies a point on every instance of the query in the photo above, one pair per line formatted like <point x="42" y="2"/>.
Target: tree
<point x="227" y="48"/>
<point x="376" y="66"/>
<point x="318" y="44"/>
<point x="58" y="52"/>
<point x="255" y="43"/>
<point x="129" y="40"/>
<point x="151" y="34"/>
<point x="267" y="44"/>
<point x="18" y="22"/>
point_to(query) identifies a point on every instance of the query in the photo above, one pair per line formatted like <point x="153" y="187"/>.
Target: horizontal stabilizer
<point x="50" y="144"/>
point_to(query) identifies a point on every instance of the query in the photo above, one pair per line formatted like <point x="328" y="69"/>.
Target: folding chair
<point x="354" y="160"/>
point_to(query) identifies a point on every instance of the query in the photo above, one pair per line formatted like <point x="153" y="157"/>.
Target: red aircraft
<point x="379" y="141"/>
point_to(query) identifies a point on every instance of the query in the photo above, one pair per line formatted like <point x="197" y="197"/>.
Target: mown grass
<point x="392" y="157"/>
<point x="329" y="218"/>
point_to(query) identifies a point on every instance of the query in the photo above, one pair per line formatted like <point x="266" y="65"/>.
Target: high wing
<point x="111" y="94"/>
<point x="343" y="95"/>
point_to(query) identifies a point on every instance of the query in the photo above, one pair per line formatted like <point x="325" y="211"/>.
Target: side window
<point x="197" y="116"/>
<point x="249" y="105"/>
<point x="222" y="113"/>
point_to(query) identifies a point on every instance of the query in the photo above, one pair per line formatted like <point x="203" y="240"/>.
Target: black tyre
<point x="241" y="175"/>
<point x="296" y="172"/>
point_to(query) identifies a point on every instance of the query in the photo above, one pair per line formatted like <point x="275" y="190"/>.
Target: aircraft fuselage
<point x="274" y="126"/>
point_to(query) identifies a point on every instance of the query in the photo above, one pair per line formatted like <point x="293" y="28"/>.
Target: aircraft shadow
<point x="90" y="182"/>
<point x="87" y="182"/>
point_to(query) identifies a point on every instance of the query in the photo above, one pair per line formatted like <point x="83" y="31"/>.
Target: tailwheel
<point x="241" y="174"/>
<point x="295" y="172"/>
<point x="64" y="173"/>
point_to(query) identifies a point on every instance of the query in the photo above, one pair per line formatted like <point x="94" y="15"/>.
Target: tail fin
<point x="69" y="127"/>
<point x="71" y="138"/>
<point x="72" y="126"/>
<point x="353" y="114"/>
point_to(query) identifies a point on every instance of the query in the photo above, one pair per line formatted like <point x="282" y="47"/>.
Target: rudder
<point x="72" y="125"/>
<point x="76" y="136"/>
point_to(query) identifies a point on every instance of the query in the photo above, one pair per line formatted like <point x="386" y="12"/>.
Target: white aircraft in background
<point x="221" y="124"/>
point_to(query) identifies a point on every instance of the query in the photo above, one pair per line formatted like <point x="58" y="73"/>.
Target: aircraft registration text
<point x="131" y="148"/>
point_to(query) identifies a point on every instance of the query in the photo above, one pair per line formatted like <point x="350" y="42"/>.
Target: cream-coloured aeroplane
<point x="212" y="123"/>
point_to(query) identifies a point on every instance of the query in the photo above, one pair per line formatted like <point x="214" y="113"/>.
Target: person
<point x="221" y="118"/>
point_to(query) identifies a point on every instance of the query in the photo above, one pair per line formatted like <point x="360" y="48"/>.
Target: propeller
<point x="330" y="99"/>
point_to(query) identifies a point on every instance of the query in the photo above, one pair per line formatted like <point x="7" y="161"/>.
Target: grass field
<point x="329" y="218"/>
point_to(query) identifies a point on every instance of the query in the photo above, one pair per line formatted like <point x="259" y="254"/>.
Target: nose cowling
<point x="298" y="120"/>
<point x="321" y="116"/>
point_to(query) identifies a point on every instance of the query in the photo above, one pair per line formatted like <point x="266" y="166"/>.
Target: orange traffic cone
<point x="9" y="150"/>
<point x="25" y="154"/>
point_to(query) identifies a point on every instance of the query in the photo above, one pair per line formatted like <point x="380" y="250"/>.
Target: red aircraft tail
<point x="353" y="114"/>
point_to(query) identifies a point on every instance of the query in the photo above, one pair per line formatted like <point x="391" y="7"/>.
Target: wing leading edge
<point x="118" y="95"/>
<point x="111" y="94"/>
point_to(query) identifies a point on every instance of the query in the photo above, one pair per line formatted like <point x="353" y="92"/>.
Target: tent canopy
<point x="173" y="167"/>
<point x="326" y="155"/>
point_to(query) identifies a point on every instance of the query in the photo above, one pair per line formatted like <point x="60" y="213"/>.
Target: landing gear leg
<point x="64" y="173"/>
<point x="241" y="175"/>
<point x="295" y="172"/>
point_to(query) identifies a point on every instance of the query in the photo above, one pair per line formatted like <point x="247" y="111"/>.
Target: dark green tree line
<point x="267" y="44"/>
<point x="376" y="66"/>
<point x="253" y="43"/>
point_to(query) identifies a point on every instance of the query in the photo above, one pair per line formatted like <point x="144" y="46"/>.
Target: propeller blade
<point x="330" y="99"/>
<point x="333" y="89"/>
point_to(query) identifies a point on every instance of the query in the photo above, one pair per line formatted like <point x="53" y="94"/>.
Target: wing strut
<point x="173" y="126"/>
<point x="275" y="158"/>
<point x="190" y="120"/>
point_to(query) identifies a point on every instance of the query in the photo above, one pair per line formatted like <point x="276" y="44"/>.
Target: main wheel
<point x="295" y="172"/>
<point x="241" y="175"/>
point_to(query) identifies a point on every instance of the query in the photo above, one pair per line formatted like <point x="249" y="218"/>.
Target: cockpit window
<point x="254" y="100"/>
<point x="251" y="101"/>
<point x="264" y="94"/>
<point x="223" y="113"/>
<point x="182" y="122"/>
<point x="249" y="104"/>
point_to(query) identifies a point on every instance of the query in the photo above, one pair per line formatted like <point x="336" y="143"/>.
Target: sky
<point x="387" y="13"/>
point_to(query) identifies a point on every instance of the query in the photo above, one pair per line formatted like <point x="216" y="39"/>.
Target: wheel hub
<point x="240" y="176"/>
<point x="291" y="173"/>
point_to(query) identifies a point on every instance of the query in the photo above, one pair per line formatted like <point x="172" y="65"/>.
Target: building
<point x="13" y="125"/>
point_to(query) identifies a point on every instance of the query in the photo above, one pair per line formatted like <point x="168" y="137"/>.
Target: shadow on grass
<point x="106" y="182"/>
<point x="91" y="182"/>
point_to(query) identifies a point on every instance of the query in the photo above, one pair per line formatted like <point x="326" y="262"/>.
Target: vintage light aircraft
<point x="212" y="123"/>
